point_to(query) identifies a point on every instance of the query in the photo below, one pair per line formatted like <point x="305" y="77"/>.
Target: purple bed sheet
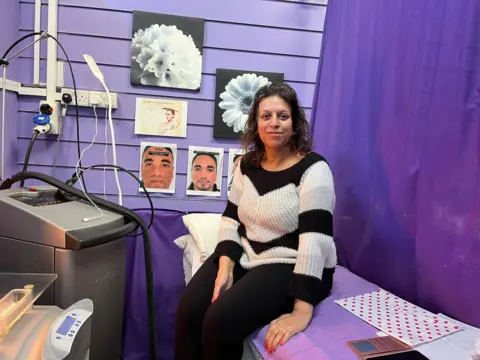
<point x="331" y="327"/>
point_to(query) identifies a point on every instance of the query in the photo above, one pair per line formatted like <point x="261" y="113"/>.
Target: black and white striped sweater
<point x="283" y="217"/>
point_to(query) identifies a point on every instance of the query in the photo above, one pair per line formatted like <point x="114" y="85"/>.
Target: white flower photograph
<point x="235" y="92"/>
<point x="167" y="51"/>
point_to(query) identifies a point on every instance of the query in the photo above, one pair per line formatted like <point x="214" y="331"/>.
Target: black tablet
<point x="408" y="355"/>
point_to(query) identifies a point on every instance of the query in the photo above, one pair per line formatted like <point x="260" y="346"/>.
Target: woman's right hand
<point x="224" y="280"/>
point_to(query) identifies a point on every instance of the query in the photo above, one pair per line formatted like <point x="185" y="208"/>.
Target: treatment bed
<point x="174" y="256"/>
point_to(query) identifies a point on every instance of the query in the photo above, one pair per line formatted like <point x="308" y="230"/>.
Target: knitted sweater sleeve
<point x="229" y="241"/>
<point x="316" y="247"/>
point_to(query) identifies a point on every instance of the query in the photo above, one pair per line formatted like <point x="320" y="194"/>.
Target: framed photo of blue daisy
<point x="235" y="90"/>
<point x="167" y="51"/>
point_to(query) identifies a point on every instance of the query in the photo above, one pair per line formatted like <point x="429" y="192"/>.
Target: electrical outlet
<point x="83" y="97"/>
<point x="95" y="99"/>
<point x="114" y="98"/>
<point x="54" y="116"/>
<point x="95" y="95"/>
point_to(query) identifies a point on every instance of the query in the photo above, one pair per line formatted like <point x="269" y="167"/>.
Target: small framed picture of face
<point x="234" y="157"/>
<point x="204" y="175"/>
<point x="157" y="167"/>
<point x="161" y="117"/>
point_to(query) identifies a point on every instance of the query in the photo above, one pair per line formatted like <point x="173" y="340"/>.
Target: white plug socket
<point x="95" y="99"/>
<point x="104" y="99"/>
<point x="83" y="97"/>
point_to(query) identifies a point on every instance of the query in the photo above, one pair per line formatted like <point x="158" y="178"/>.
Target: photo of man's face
<point x="169" y="115"/>
<point x="157" y="167"/>
<point x="204" y="173"/>
<point x="236" y="162"/>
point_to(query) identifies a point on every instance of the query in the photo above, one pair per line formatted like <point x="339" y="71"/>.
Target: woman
<point x="275" y="257"/>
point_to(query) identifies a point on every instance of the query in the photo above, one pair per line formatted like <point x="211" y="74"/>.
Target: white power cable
<point x="105" y="156"/>
<point x="4" y="99"/>
<point x="60" y="129"/>
<point x="114" y="147"/>
<point x="78" y="174"/>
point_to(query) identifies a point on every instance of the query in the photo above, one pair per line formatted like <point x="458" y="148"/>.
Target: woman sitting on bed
<point x="275" y="256"/>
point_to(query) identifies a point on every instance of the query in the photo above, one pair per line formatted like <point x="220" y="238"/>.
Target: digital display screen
<point x="364" y="346"/>
<point x="66" y="325"/>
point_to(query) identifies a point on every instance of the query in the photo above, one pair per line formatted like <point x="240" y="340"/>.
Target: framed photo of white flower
<point x="234" y="158"/>
<point x="205" y="169"/>
<point x="235" y="91"/>
<point x="161" y="117"/>
<point x="158" y="167"/>
<point x="167" y="51"/>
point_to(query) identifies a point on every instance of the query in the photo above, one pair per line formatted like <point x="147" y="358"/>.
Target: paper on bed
<point x="398" y="318"/>
<point x="458" y="346"/>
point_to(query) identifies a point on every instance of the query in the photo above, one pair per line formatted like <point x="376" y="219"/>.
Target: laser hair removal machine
<point x="29" y="332"/>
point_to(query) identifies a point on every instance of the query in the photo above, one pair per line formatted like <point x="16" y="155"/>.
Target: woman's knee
<point x="218" y="321"/>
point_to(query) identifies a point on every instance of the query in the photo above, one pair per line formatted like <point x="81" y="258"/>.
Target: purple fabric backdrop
<point x="397" y="115"/>
<point x="169" y="282"/>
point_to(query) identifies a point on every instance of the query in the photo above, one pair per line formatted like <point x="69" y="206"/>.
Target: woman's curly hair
<point x="300" y="142"/>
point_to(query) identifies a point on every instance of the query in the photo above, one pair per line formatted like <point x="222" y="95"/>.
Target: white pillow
<point x="191" y="255"/>
<point x="204" y="229"/>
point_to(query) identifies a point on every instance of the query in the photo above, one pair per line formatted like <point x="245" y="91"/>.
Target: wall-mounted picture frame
<point x="234" y="158"/>
<point x="161" y="117"/>
<point x="205" y="169"/>
<point x="167" y="51"/>
<point x="158" y="167"/>
<point x="235" y="92"/>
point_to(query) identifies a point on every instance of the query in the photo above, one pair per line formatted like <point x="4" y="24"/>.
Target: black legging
<point x="216" y="331"/>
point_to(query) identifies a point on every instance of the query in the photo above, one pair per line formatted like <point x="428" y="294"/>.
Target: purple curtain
<point x="169" y="282"/>
<point x="396" y="113"/>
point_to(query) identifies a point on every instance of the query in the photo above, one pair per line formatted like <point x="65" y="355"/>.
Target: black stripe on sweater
<point x="317" y="220"/>
<point x="229" y="248"/>
<point x="311" y="289"/>
<point x="289" y="241"/>
<point x="231" y="211"/>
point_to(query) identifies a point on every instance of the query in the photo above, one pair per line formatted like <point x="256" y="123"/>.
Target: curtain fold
<point x="397" y="115"/>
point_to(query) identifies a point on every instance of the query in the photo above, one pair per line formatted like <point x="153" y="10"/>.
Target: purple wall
<point x="253" y="34"/>
<point x="9" y="20"/>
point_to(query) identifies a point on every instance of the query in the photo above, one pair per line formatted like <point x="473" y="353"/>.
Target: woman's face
<point x="275" y="125"/>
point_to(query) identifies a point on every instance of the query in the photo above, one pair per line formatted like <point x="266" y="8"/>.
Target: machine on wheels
<point x="42" y="232"/>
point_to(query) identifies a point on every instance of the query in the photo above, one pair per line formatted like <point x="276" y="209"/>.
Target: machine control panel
<point x="64" y="331"/>
<point x="38" y="198"/>
<point x="66" y="328"/>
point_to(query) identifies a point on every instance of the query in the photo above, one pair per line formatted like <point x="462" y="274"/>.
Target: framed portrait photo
<point x="204" y="174"/>
<point x="157" y="167"/>
<point x="234" y="158"/>
<point x="161" y="117"/>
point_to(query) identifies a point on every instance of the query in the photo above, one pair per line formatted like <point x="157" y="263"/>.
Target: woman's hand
<point x="283" y="328"/>
<point x="224" y="280"/>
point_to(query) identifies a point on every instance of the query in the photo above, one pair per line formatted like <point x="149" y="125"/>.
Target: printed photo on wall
<point x="204" y="175"/>
<point x="235" y="91"/>
<point x="167" y="51"/>
<point x="157" y="167"/>
<point x="160" y="117"/>
<point x="234" y="157"/>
